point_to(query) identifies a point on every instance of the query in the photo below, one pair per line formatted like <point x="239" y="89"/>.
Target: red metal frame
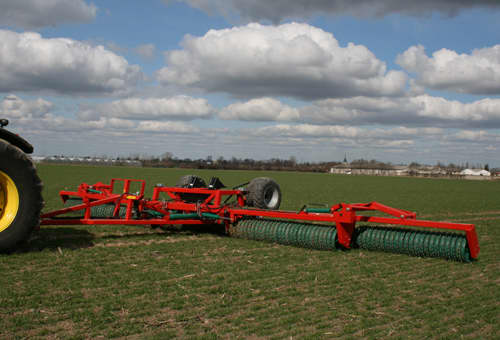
<point x="211" y="209"/>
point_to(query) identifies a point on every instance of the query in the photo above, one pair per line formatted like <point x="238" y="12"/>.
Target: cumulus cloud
<point x="422" y="110"/>
<point x="29" y="62"/>
<point x="50" y="133"/>
<point x="260" y="109"/>
<point x="32" y="14"/>
<point x="407" y="143"/>
<point x="11" y="106"/>
<point x="351" y="132"/>
<point x="278" y="10"/>
<point x="471" y="136"/>
<point x="173" y="108"/>
<point x="296" y="60"/>
<point x="167" y="127"/>
<point x="475" y="73"/>
<point x="397" y="138"/>
<point x="50" y="124"/>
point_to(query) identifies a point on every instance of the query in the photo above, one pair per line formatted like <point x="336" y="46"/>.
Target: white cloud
<point x="340" y="136"/>
<point x="29" y="62"/>
<point x="278" y="10"/>
<point x="296" y="60"/>
<point x="260" y="109"/>
<point x="422" y="110"/>
<point x="475" y="73"/>
<point x="470" y="136"/>
<point x="56" y="134"/>
<point x="167" y="127"/>
<point x="173" y="108"/>
<point x="31" y="14"/>
<point x="341" y="131"/>
<point x="146" y="51"/>
<point x="11" y="106"/>
<point x="307" y="130"/>
<point x="105" y="126"/>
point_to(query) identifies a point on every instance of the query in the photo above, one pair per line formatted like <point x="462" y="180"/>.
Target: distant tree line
<point x="168" y="160"/>
<point x="273" y="164"/>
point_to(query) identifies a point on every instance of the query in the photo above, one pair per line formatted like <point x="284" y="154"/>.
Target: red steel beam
<point x="343" y="215"/>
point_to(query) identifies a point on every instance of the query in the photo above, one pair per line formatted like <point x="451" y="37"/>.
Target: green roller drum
<point x="395" y="240"/>
<point x="288" y="233"/>
<point x="413" y="242"/>
<point x="99" y="211"/>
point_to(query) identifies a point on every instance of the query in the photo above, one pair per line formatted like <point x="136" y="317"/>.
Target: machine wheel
<point x="20" y="197"/>
<point x="185" y="181"/>
<point x="197" y="182"/>
<point x="263" y="193"/>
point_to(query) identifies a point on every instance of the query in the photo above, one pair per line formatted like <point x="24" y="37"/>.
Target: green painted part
<point x="289" y="233"/>
<point x="184" y="216"/>
<point x="94" y="191"/>
<point x="413" y="242"/>
<point x="98" y="211"/>
<point x="154" y="213"/>
<point x="192" y="216"/>
<point x="396" y="240"/>
<point x="317" y="210"/>
<point x="210" y="215"/>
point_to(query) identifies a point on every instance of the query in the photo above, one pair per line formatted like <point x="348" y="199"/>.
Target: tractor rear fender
<point x="16" y="140"/>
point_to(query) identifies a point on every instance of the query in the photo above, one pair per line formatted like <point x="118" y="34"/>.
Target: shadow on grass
<point x="214" y="229"/>
<point x="52" y="238"/>
<point x="170" y="230"/>
<point x="57" y="237"/>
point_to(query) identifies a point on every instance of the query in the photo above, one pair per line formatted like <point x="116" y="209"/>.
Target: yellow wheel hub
<point x="9" y="201"/>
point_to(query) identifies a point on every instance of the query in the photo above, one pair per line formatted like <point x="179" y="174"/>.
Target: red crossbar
<point x="211" y="209"/>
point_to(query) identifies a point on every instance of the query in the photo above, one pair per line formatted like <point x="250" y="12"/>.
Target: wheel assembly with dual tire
<point x="192" y="181"/>
<point x="263" y="193"/>
<point x="20" y="197"/>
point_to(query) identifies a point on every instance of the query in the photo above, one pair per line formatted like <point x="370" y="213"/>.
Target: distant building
<point x="475" y="172"/>
<point x="423" y="171"/>
<point x="345" y="169"/>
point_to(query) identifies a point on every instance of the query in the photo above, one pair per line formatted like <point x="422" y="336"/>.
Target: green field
<point x="135" y="282"/>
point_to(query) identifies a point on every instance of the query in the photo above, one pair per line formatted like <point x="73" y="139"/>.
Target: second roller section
<point x="411" y="242"/>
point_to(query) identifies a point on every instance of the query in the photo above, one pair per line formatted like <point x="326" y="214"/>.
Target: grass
<point x="114" y="281"/>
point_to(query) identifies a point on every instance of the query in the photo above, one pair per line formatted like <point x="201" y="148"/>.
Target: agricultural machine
<point x="247" y="211"/>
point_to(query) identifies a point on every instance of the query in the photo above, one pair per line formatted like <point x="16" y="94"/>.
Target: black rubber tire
<point x="263" y="193"/>
<point x="184" y="182"/>
<point x="21" y="170"/>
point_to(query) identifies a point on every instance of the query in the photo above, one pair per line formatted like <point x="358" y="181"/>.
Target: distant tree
<point x="167" y="156"/>
<point x="486" y="167"/>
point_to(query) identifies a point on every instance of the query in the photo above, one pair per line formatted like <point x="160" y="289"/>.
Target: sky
<point x="392" y="80"/>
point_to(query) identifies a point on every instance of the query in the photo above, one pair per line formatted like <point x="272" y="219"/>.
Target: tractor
<point x="20" y="190"/>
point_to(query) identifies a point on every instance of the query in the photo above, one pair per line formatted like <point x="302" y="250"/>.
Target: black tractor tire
<point x="263" y="193"/>
<point x="20" y="197"/>
<point x="185" y="182"/>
